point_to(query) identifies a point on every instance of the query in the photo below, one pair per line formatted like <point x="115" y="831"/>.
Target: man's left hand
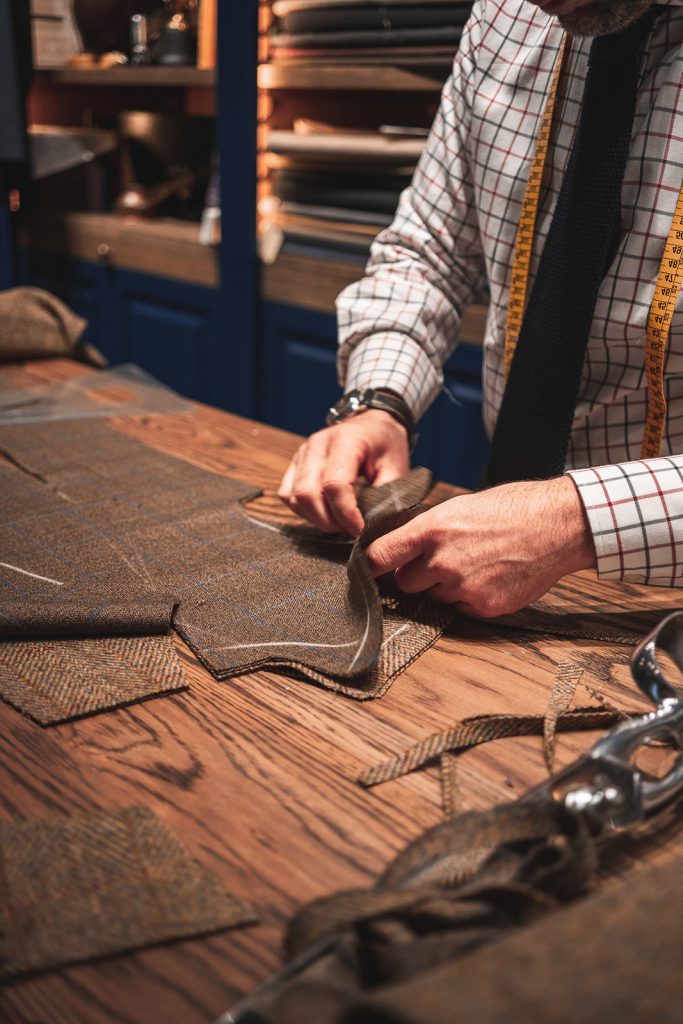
<point x="493" y="552"/>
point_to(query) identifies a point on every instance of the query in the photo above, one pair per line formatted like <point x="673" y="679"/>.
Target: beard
<point x="603" y="17"/>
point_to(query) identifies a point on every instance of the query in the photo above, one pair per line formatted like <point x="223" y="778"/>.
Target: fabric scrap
<point x="472" y="732"/>
<point x="88" y="885"/>
<point x="450" y="790"/>
<point x="55" y="681"/>
<point x="564" y="687"/>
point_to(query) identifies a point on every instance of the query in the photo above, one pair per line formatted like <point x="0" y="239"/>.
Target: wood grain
<point x="256" y="774"/>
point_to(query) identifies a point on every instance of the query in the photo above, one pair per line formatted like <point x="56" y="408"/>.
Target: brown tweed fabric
<point x="55" y="680"/>
<point x="520" y="939"/>
<point x="88" y="885"/>
<point x="472" y="732"/>
<point x="100" y="520"/>
<point x="566" y="680"/>
<point x="33" y="323"/>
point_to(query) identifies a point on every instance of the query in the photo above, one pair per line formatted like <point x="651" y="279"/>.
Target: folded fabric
<point x="359" y="145"/>
<point x="281" y="8"/>
<point x="378" y="16"/>
<point x="362" y="194"/>
<point x="410" y="37"/>
<point x="33" y="324"/>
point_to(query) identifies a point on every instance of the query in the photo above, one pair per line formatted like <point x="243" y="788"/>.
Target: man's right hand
<point x="318" y="484"/>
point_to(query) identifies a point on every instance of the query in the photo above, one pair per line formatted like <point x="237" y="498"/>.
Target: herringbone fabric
<point x="56" y="680"/>
<point x="79" y="886"/>
<point x="99" y="525"/>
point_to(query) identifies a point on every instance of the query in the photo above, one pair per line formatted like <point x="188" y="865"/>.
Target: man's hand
<point x="490" y="553"/>
<point x="318" y="484"/>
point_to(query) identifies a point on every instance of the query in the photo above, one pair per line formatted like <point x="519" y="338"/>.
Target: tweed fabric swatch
<point x="86" y="885"/>
<point x="33" y="323"/>
<point x="56" y="680"/>
<point x="102" y="521"/>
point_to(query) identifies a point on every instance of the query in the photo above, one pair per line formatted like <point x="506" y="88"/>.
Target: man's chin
<point x="603" y="17"/>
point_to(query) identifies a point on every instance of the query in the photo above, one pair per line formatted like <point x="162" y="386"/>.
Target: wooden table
<point x="256" y="774"/>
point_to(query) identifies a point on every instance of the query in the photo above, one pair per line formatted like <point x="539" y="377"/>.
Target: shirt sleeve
<point x="635" y="512"/>
<point x="399" y="324"/>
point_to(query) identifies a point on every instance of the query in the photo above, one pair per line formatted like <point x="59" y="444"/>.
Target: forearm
<point x="399" y="323"/>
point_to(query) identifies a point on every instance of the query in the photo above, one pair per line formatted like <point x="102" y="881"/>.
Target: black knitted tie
<point x="535" y="419"/>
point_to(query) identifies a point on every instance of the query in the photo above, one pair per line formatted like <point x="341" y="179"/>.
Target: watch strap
<point x="353" y="402"/>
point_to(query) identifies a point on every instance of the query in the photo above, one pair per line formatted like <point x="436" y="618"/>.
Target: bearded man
<point x="551" y="177"/>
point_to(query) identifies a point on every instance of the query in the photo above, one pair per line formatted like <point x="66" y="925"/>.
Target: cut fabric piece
<point x="101" y="521"/>
<point x="56" y="680"/>
<point x="89" y="885"/>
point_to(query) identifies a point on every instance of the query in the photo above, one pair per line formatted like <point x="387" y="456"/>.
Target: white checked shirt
<point x="454" y="233"/>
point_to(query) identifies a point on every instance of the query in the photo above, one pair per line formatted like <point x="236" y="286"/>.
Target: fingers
<point x="308" y="498"/>
<point x="416" y="576"/>
<point x="340" y="473"/>
<point x="318" y="483"/>
<point x="286" y="487"/>
<point x="398" y="548"/>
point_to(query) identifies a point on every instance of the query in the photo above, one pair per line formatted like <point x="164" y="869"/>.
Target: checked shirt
<point x="451" y="244"/>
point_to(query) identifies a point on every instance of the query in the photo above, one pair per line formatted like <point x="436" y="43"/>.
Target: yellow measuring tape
<point x="669" y="278"/>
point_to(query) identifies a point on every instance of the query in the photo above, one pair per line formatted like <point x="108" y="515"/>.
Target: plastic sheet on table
<point x="125" y="390"/>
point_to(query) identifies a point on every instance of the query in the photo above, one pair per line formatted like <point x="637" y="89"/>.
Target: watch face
<point x="354" y="403"/>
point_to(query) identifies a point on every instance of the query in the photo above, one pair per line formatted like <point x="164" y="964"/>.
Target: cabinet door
<point x="83" y="286"/>
<point x="299" y="361"/>
<point x="167" y="327"/>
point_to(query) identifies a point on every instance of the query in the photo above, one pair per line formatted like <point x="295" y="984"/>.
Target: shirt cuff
<point x="635" y="514"/>
<point x="394" y="361"/>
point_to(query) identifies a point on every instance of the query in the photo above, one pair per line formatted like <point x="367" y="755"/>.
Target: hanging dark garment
<point x="15" y="79"/>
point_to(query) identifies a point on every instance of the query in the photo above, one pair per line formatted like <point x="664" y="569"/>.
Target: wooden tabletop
<point x="257" y="774"/>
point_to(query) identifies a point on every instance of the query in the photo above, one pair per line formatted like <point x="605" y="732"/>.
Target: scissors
<point x="605" y="785"/>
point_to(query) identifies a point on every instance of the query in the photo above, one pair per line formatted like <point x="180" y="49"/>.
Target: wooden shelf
<point x="154" y="77"/>
<point x="166" y="248"/>
<point x="314" y="283"/>
<point x="348" y="77"/>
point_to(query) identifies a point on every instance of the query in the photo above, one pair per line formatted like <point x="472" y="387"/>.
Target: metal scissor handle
<point x="645" y="668"/>
<point x="606" y="784"/>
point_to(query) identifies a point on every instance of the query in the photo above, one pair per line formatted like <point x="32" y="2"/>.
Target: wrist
<point x="575" y="533"/>
<point x="357" y="401"/>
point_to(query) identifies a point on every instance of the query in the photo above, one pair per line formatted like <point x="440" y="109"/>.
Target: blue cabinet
<point x="300" y="384"/>
<point x="166" y="327"/>
<point x="82" y="285"/>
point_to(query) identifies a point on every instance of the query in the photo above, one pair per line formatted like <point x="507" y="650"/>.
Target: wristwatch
<point x="357" y="401"/>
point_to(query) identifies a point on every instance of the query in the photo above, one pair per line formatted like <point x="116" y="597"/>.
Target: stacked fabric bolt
<point x="359" y="31"/>
<point x="340" y="187"/>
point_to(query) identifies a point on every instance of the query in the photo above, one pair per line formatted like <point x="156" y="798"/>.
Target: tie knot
<point x="624" y="45"/>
